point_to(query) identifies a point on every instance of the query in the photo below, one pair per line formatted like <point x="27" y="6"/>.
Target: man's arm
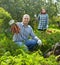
<point x="32" y="33"/>
<point x="39" y="42"/>
<point x="14" y="27"/>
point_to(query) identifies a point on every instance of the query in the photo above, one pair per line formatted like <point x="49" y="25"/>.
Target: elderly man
<point x="22" y="32"/>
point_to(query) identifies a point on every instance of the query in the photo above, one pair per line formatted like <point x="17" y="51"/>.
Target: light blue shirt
<point x="24" y="34"/>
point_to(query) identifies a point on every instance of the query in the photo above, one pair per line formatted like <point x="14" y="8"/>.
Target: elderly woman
<point x="22" y="32"/>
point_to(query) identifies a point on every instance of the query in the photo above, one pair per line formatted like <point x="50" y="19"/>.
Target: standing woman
<point x="43" y="20"/>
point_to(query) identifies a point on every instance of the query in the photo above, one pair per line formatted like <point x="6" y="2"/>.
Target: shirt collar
<point x="23" y="24"/>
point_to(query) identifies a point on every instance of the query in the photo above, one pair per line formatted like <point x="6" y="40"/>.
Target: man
<point x="22" y="31"/>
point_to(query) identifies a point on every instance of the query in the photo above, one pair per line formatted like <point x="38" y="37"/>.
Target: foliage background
<point x="12" y="54"/>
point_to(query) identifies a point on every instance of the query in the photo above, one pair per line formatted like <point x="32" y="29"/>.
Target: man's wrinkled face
<point x="26" y="19"/>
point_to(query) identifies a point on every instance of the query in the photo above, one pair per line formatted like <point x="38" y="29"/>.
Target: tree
<point x="17" y="8"/>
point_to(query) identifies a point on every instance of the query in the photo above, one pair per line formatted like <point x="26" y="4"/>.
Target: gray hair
<point x="26" y="15"/>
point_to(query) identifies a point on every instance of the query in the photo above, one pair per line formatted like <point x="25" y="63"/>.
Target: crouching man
<point x="23" y="33"/>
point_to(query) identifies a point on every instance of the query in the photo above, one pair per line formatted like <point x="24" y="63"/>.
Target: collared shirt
<point x="43" y="21"/>
<point x="24" y="34"/>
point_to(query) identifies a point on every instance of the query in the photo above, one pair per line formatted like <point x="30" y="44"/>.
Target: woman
<point x="43" y="20"/>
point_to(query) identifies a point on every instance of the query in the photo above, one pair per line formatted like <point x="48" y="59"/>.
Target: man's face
<point x="26" y="19"/>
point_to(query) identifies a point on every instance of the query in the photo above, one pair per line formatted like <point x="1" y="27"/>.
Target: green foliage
<point x="58" y="5"/>
<point x="7" y="45"/>
<point x="48" y="38"/>
<point x="51" y="9"/>
<point x="54" y="19"/>
<point x="17" y="8"/>
<point x="27" y="59"/>
<point x="4" y="19"/>
<point x="11" y="53"/>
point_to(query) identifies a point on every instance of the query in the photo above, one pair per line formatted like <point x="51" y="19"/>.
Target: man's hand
<point x="15" y="28"/>
<point x="39" y="42"/>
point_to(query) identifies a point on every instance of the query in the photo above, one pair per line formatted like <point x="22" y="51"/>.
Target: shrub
<point x="4" y="19"/>
<point x="27" y="59"/>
